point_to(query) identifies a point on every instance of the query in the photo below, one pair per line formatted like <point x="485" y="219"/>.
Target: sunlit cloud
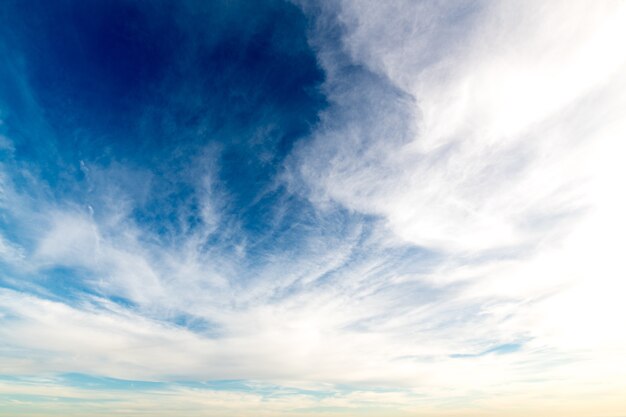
<point x="312" y="208"/>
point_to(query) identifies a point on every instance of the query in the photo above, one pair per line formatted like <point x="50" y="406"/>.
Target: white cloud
<point x="489" y="136"/>
<point x="10" y="252"/>
<point x="495" y="140"/>
<point x="499" y="128"/>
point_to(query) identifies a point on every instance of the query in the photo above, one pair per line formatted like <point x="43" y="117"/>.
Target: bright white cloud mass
<point x="333" y="208"/>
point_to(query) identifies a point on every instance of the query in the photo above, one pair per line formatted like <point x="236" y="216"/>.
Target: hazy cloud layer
<point x="320" y="208"/>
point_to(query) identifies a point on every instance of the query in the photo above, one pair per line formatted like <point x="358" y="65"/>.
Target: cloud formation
<point x="326" y="208"/>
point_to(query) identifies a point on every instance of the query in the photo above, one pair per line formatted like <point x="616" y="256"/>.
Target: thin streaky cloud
<point x="327" y="208"/>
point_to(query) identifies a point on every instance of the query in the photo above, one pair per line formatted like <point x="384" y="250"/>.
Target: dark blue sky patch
<point x="150" y="86"/>
<point x="253" y="88"/>
<point x="90" y="64"/>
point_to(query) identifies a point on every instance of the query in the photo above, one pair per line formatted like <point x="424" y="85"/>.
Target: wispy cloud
<point x="381" y="208"/>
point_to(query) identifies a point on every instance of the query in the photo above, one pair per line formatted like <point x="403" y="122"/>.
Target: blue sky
<point x="311" y="208"/>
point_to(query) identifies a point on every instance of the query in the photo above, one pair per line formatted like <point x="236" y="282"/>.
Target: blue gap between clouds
<point x="151" y="87"/>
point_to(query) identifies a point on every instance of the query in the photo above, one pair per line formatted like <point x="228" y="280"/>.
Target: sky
<point x="312" y="208"/>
